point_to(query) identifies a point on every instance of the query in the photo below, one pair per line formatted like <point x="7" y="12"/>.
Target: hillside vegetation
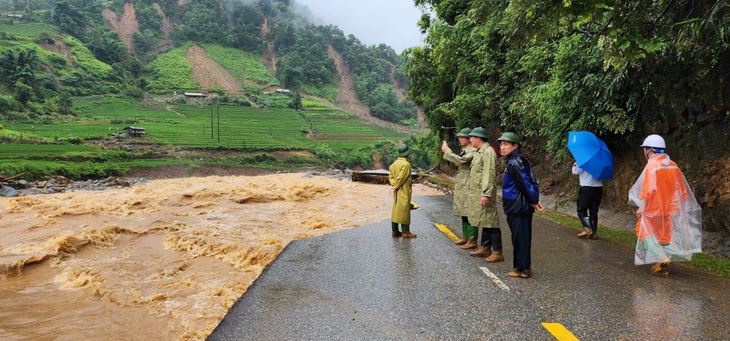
<point x="126" y="50"/>
<point x="620" y="69"/>
<point x="78" y="72"/>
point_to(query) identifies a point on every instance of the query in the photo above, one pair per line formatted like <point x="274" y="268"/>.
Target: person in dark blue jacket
<point x="520" y="199"/>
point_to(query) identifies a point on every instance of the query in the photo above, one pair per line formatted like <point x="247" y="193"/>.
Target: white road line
<point x="494" y="278"/>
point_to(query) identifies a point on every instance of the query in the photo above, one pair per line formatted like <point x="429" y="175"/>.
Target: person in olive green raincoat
<point x="483" y="196"/>
<point x="461" y="190"/>
<point x="400" y="179"/>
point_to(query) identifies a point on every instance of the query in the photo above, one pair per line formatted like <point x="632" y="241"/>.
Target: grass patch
<point x="49" y="151"/>
<point x="172" y="72"/>
<point x="326" y="91"/>
<point x="701" y="261"/>
<point x="27" y="29"/>
<point x="242" y="65"/>
<point x="438" y="181"/>
<point x="343" y="130"/>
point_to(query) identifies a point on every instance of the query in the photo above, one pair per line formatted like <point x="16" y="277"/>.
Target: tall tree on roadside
<point x="547" y="67"/>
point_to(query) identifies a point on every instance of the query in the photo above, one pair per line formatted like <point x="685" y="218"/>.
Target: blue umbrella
<point x="591" y="154"/>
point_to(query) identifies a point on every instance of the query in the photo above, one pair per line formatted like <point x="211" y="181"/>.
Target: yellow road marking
<point x="447" y="232"/>
<point x="561" y="333"/>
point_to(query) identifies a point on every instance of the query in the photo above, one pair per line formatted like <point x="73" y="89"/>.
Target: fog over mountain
<point x="393" y="22"/>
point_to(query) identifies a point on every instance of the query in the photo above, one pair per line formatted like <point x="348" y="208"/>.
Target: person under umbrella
<point x="589" y="200"/>
<point x="593" y="163"/>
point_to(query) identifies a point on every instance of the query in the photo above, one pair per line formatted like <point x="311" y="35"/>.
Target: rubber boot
<point x="482" y="251"/>
<point x="464" y="232"/>
<point x="471" y="241"/>
<point x="406" y="231"/>
<point x="396" y="233"/>
<point x="586" y="228"/>
<point x="496" y="256"/>
<point x="594" y="230"/>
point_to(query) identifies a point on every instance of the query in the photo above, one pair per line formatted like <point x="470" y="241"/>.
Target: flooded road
<point x="362" y="284"/>
<point x="164" y="260"/>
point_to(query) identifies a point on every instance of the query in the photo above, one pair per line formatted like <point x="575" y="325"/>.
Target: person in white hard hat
<point x="669" y="227"/>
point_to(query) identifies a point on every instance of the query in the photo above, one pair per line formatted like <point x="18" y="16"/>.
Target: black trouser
<point x="491" y="237"/>
<point x="589" y="199"/>
<point x="521" y="228"/>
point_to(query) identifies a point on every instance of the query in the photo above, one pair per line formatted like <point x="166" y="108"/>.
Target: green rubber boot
<point x="396" y="233"/>
<point x="471" y="241"/>
<point x="406" y="231"/>
<point x="464" y="234"/>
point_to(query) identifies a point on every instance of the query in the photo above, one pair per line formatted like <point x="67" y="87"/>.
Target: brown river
<point x="163" y="260"/>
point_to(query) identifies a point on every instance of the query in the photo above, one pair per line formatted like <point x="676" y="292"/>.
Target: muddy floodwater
<point x="164" y="260"/>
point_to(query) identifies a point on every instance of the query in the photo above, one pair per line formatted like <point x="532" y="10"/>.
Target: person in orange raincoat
<point x="669" y="227"/>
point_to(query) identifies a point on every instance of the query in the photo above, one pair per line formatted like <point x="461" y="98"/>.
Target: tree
<point x="69" y="18"/>
<point x="545" y="67"/>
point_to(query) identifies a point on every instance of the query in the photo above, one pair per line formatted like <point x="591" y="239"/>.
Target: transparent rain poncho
<point x="670" y="223"/>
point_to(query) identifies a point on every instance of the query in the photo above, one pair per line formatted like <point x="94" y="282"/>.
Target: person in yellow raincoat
<point x="399" y="176"/>
<point x="669" y="227"/>
<point x="461" y="187"/>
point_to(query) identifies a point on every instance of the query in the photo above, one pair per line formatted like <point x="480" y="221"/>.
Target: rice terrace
<point x="234" y="128"/>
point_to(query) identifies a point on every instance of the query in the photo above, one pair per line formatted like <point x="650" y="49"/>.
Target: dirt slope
<point x="125" y="27"/>
<point x="269" y="57"/>
<point x="208" y="73"/>
<point x="165" y="26"/>
<point x="59" y="47"/>
<point x="346" y="97"/>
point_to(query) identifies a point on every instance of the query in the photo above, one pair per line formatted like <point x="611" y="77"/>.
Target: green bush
<point x="112" y="155"/>
<point x="39" y="170"/>
<point x="7" y="103"/>
<point x="132" y="92"/>
<point x="242" y="101"/>
<point x="300" y="161"/>
<point x="257" y="159"/>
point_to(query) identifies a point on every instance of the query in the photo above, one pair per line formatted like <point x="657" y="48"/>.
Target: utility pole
<point x="218" y="110"/>
<point x="211" y="121"/>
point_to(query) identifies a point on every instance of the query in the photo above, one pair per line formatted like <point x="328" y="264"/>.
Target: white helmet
<point x="654" y="141"/>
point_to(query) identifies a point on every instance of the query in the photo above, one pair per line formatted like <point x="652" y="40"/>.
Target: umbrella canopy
<point x="591" y="154"/>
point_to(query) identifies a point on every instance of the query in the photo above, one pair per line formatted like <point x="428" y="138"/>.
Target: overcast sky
<point x="393" y="22"/>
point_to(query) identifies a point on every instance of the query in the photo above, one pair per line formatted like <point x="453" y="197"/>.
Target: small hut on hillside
<point x="195" y="95"/>
<point x="135" y="131"/>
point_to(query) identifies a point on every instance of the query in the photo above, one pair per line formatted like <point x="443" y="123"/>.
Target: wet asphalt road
<point x="362" y="284"/>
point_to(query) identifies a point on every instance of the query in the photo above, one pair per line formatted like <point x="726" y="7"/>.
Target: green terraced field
<point x="233" y="126"/>
<point x="27" y="29"/>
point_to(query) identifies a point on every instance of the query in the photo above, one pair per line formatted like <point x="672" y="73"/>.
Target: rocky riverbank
<point x="60" y="184"/>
